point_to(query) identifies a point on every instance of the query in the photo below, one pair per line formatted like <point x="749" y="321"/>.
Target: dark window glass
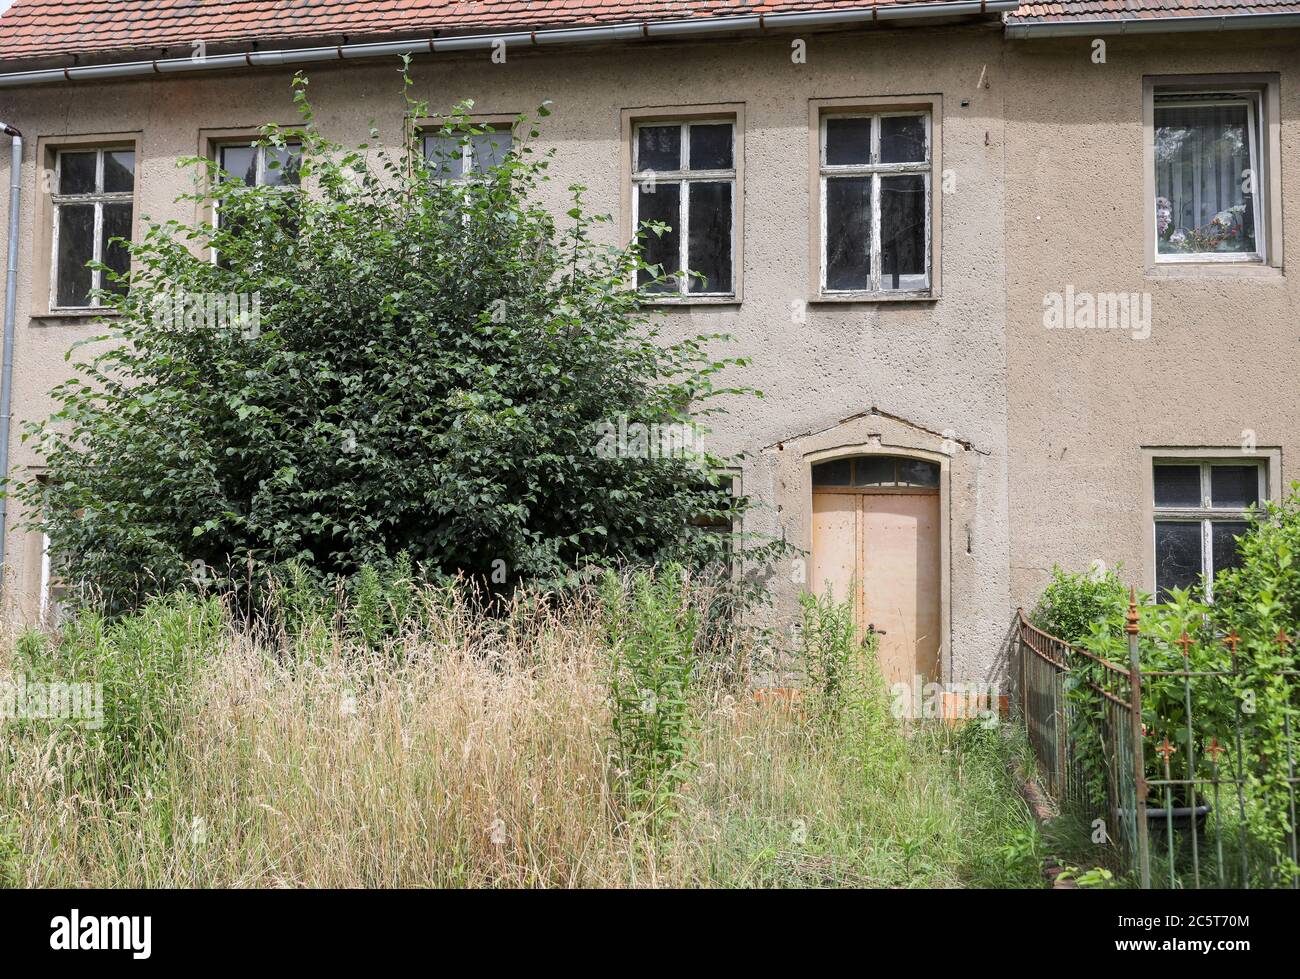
<point x="77" y="173"/>
<point x="659" y="148"/>
<point x="875" y="471"/>
<point x="76" y="248"/>
<point x="1178" y="555"/>
<point x="708" y="251"/>
<point x="1178" y="486"/>
<point x="848" y="233"/>
<point x="1223" y="546"/>
<point x="240" y="162"/>
<point x="1234" y="486"/>
<point x="661" y="204"/>
<point x="489" y="149"/>
<point x="902" y="231"/>
<point x="902" y="139"/>
<point x="119" y="171"/>
<point x="282" y="165"/>
<point x="116" y="224"/>
<point x="917" y="472"/>
<point x="848" y="141"/>
<point x="711" y="147"/>
<point x="835" y="473"/>
<point x="446" y="154"/>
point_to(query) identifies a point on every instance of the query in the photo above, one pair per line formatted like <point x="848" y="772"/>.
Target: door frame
<point x="877" y="448"/>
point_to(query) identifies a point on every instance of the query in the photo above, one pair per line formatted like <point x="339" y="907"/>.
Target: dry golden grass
<point x="467" y="753"/>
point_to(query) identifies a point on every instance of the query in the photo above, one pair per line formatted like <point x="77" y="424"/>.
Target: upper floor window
<point x="684" y="175"/>
<point x="874" y="170"/>
<point x="93" y="203"/>
<point x="462" y="156"/>
<point x="1201" y="508"/>
<point x="1209" y="177"/>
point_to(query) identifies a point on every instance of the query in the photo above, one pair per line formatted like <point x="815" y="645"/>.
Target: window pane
<point x="1202" y="153"/>
<point x="834" y="473"/>
<point x="1223" y="546"/>
<point x="240" y="162"/>
<point x="874" y="471"/>
<point x="446" y="154"/>
<point x="1178" y="555"/>
<point x="116" y="224"/>
<point x="659" y="148"/>
<point x="119" y="171"/>
<point x="902" y="139"/>
<point x="661" y="204"/>
<point x="1178" y="486"/>
<point x="76" y="248"/>
<point x="848" y="140"/>
<point x="917" y="472"/>
<point x="902" y="232"/>
<point x="708" y="250"/>
<point x="77" y="173"/>
<point x="282" y="165"/>
<point x="1234" y="486"/>
<point x="711" y="147"/>
<point x="489" y="150"/>
<point x="848" y="232"/>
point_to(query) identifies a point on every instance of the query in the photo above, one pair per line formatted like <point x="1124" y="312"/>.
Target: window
<point x="877" y="471"/>
<point x="1200" y="508"/>
<point x="93" y="202"/>
<point x="258" y="166"/>
<point x="461" y="156"/>
<point x="1209" y="176"/>
<point x="874" y="175"/>
<point x="684" y="175"/>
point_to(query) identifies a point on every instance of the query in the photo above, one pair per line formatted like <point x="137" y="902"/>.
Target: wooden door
<point x="880" y="549"/>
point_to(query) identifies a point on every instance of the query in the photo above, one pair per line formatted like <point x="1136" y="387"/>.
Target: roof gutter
<point x="1152" y="25"/>
<point x="632" y="31"/>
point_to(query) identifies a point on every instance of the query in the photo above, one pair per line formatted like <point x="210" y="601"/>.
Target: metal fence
<point x="1214" y="807"/>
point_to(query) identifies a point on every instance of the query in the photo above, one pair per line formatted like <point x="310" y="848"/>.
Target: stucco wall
<point x="1222" y="358"/>
<point x="930" y="368"/>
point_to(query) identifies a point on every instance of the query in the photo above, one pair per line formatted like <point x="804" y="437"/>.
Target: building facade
<point x="1012" y="281"/>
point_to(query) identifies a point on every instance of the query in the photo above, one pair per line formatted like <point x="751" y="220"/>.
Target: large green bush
<point x="427" y="371"/>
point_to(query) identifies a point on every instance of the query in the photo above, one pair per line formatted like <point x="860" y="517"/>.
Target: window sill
<point x="105" y="312"/>
<point x="693" y="301"/>
<point x="1214" y="270"/>
<point x="876" y="297"/>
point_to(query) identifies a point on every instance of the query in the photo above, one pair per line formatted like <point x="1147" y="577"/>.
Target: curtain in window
<point x="1204" y="178"/>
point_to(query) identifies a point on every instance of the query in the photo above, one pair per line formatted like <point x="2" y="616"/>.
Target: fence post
<point x="1139" y="764"/>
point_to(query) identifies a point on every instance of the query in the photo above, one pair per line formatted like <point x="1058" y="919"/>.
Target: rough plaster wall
<point x="940" y="366"/>
<point x="1222" y="356"/>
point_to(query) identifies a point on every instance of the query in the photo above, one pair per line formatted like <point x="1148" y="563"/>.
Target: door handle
<point x="871" y="627"/>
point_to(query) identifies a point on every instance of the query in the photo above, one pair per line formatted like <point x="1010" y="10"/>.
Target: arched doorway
<point x="876" y="534"/>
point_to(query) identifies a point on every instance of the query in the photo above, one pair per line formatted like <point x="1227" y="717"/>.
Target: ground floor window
<point x="1201" y="508"/>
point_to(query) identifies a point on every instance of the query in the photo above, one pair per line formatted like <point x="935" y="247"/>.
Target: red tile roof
<point x="1072" y="10"/>
<point x="42" y="28"/>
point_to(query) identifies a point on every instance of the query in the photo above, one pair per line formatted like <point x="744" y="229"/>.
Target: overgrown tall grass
<point x="471" y="750"/>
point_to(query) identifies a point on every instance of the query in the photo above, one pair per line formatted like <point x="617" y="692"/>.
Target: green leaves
<point x="429" y="366"/>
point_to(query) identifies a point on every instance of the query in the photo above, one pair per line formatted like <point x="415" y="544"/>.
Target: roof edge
<point x="1149" y="25"/>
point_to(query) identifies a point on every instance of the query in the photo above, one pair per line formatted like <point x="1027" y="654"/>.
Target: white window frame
<point x="1253" y="100"/>
<point x="98" y="198"/>
<point x="1205" y="514"/>
<point x="876" y="170"/>
<point x="685" y="176"/>
<point x="467" y="171"/>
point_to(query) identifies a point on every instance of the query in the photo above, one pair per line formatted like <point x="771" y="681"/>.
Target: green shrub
<point x="429" y="371"/>
<point x="651" y="629"/>
<point x="1072" y="603"/>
